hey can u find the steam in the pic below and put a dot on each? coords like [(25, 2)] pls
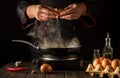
[(49, 33), (61, 44)]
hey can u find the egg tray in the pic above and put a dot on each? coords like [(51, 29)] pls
[(101, 73)]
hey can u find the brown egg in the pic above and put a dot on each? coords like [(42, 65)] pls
[(117, 70), (115, 63), (96, 62), (106, 62), (101, 59), (46, 68)]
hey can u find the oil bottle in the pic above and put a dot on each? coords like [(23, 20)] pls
[(108, 50)]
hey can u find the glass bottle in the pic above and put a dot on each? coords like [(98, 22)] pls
[(96, 54), (108, 50)]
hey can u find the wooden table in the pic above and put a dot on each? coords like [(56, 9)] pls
[(27, 73)]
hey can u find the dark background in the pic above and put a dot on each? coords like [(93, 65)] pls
[(106, 17)]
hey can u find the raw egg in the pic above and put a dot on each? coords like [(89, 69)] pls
[(115, 63), (96, 62), (46, 68), (106, 62), (101, 59)]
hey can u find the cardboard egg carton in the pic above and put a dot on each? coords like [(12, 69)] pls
[(100, 71)]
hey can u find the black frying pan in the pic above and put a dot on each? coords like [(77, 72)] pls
[(53, 51)]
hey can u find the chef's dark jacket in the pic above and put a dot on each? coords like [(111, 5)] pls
[(67, 26), (35, 28)]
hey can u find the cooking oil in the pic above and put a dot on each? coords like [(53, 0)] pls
[(108, 50)]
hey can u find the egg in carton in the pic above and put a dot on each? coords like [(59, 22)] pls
[(90, 69), (109, 71), (99, 70), (117, 71)]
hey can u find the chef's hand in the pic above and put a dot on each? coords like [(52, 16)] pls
[(40, 12), (73, 11)]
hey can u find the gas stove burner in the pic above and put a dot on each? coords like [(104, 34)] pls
[(69, 62), (48, 57)]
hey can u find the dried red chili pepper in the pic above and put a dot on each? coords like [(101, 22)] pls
[(16, 69)]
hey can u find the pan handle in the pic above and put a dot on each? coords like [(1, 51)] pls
[(26, 42)]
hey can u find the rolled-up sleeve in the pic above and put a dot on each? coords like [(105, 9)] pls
[(21, 12), (88, 20)]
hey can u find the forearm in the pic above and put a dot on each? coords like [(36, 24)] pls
[(83, 8), (26, 21), (21, 8), (88, 18)]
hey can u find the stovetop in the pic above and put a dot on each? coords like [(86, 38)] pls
[(69, 62), (48, 57)]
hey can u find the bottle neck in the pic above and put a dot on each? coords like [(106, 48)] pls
[(108, 42)]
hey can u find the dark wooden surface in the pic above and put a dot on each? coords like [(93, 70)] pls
[(27, 73)]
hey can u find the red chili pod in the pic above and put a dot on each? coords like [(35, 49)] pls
[(16, 69)]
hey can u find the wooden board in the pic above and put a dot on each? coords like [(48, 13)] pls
[(28, 73)]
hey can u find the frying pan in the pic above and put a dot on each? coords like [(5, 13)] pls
[(53, 51)]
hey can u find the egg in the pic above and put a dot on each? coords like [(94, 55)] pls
[(46, 68), (115, 63), (96, 62), (101, 59), (117, 70), (106, 62)]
